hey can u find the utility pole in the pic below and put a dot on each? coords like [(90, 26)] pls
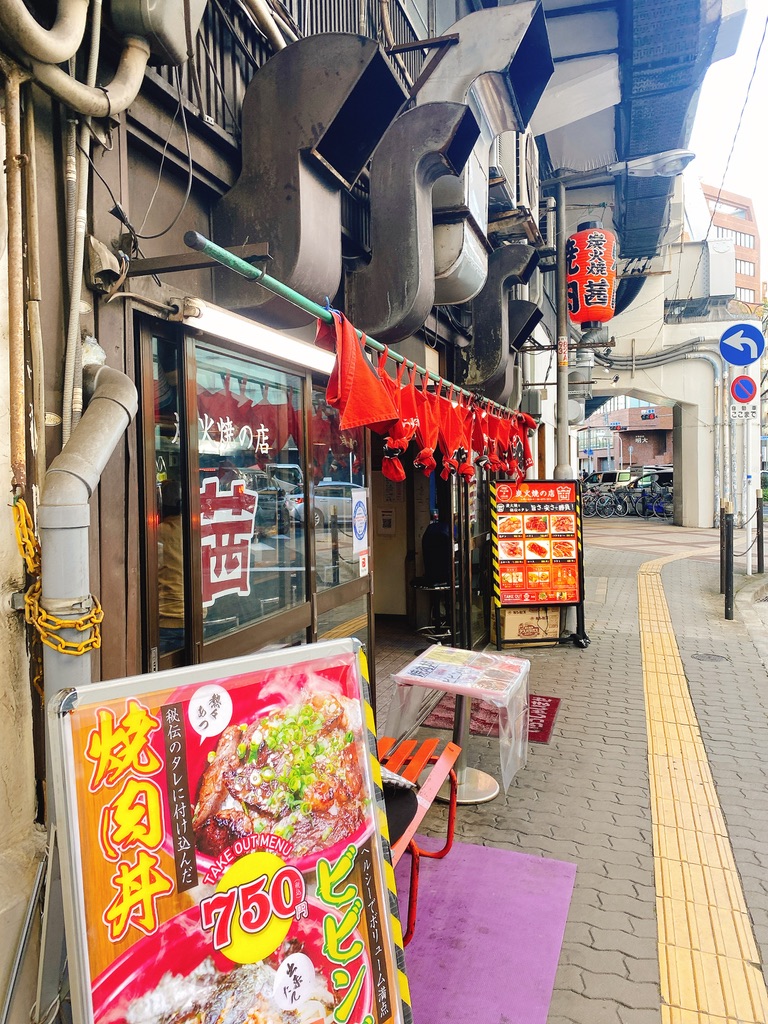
[(563, 469)]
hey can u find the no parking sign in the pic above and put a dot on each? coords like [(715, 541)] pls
[(743, 393)]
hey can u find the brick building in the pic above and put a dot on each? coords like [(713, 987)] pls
[(734, 218)]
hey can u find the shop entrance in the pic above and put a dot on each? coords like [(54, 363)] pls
[(431, 546)]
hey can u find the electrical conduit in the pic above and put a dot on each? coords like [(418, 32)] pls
[(72, 396)]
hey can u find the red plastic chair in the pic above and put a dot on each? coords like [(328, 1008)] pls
[(410, 758)]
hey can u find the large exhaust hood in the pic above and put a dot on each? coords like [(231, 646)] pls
[(312, 116), (390, 297)]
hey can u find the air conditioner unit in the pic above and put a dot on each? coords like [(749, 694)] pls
[(513, 194), (527, 169)]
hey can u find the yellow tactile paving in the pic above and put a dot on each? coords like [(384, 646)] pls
[(708, 958)]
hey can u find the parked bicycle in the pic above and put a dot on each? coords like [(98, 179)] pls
[(654, 502)]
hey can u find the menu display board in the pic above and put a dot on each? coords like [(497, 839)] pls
[(536, 537), (222, 845)]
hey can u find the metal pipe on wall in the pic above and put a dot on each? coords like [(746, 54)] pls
[(96, 101), (72, 394), (52, 45), (64, 517), (34, 296), (14, 76)]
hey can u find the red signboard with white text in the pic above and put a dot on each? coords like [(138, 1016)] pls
[(536, 542), (221, 837)]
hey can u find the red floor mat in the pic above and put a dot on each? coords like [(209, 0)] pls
[(485, 719)]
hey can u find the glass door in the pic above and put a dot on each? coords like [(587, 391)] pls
[(223, 546), (338, 515), (256, 506)]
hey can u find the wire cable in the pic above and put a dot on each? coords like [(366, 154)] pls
[(733, 146), (188, 192)]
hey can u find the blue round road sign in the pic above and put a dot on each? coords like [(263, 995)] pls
[(743, 389), (742, 344)]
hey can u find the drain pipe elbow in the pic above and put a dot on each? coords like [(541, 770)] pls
[(52, 46), (113, 404), (98, 101)]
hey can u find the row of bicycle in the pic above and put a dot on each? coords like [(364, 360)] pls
[(653, 502)]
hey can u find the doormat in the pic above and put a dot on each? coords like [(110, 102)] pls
[(484, 720), (488, 934)]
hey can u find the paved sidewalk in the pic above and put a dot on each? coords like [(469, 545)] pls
[(585, 797)]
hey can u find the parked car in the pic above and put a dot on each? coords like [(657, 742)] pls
[(654, 477), (329, 494), (612, 478)]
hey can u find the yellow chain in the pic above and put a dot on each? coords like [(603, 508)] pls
[(29, 549), (46, 624)]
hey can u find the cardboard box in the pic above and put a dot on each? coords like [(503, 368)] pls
[(532, 622)]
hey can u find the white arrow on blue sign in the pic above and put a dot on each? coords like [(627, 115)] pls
[(742, 344)]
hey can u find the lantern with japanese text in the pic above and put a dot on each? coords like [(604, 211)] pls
[(590, 258)]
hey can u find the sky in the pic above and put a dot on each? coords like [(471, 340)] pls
[(723, 94)]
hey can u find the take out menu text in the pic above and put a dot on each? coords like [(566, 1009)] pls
[(536, 536)]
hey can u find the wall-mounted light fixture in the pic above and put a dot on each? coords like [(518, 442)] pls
[(279, 345)]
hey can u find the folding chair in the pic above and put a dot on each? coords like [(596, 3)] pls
[(410, 758)]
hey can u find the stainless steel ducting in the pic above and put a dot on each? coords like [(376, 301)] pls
[(500, 67), (500, 324), (391, 297)]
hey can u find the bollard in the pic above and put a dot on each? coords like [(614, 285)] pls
[(760, 537), (728, 565), (722, 548)]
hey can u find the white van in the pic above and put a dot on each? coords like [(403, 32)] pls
[(610, 478)]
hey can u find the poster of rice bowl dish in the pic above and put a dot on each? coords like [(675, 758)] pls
[(222, 856)]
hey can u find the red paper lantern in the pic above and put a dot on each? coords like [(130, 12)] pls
[(590, 258)]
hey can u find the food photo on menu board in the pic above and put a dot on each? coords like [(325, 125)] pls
[(222, 833), (536, 538)]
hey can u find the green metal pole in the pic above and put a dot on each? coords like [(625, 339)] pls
[(194, 240)]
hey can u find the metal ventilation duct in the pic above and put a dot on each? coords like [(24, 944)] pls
[(161, 24), (391, 297), (499, 67), (501, 324), (312, 117)]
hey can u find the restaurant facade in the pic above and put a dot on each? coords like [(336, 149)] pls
[(173, 429)]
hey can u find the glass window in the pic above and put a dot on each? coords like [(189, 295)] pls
[(350, 619), (339, 486), (249, 462), (171, 504), (745, 294)]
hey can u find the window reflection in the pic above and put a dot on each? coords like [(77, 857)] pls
[(249, 445), (339, 485), (171, 561)]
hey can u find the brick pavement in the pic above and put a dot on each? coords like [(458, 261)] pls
[(584, 797)]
